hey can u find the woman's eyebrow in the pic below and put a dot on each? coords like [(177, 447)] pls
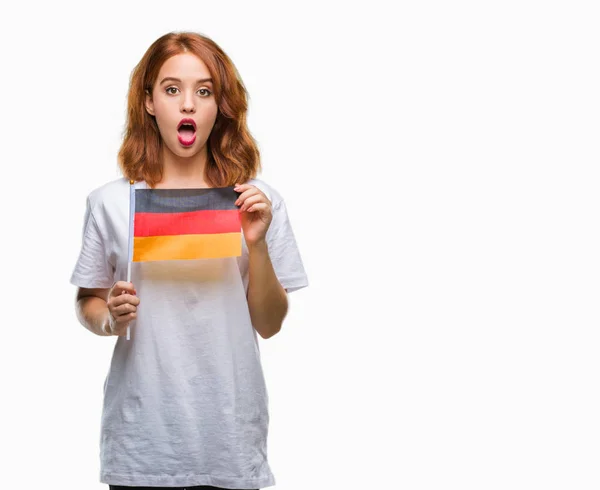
[(173, 79)]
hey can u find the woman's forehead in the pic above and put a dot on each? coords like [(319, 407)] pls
[(186, 67)]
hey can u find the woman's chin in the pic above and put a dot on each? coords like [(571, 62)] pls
[(184, 151)]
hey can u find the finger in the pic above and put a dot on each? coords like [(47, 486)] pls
[(120, 328), (121, 286), (123, 310), (240, 188), (125, 298), (251, 200), (124, 285), (246, 194), (261, 206), (124, 320)]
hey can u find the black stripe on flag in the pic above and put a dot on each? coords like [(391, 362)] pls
[(183, 200)]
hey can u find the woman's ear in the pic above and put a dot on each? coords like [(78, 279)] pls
[(149, 104)]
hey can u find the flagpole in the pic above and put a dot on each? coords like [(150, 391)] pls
[(130, 241)]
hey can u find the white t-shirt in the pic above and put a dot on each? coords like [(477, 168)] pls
[(185, 400)]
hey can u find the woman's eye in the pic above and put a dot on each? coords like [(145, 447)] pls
[(175, 88)]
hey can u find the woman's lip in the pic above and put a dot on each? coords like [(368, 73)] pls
[(186, 142), (187, 120)]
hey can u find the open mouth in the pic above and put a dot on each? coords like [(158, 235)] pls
[(186, 132)]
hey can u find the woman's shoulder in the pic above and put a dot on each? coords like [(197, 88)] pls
[(270, 191), (109, 192)]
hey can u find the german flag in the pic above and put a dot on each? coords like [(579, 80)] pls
[(178, 224)]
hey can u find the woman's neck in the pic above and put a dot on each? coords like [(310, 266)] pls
[(183, 172)]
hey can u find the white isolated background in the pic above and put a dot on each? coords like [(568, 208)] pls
[(439, 161)]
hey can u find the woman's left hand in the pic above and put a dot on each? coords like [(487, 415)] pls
[(255, 213)]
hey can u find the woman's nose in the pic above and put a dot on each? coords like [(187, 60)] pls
[(188, 103)]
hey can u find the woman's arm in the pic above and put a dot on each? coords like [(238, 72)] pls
[(267, 300), (92, 310)]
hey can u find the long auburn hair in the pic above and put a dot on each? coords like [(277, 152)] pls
[(232, 152)]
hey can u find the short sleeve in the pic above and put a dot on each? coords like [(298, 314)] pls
[(92, 269), (283, 250)]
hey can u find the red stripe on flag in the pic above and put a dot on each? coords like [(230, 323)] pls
[(187, 223)]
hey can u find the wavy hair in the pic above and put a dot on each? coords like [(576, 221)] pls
[(232, 152)]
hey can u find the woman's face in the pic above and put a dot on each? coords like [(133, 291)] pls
[(182, 92)]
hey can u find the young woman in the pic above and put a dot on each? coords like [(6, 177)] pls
[(185, 401)]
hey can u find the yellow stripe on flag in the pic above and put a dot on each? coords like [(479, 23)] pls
[(181, 247)]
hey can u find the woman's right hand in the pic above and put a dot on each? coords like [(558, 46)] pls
[(122, 307)]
